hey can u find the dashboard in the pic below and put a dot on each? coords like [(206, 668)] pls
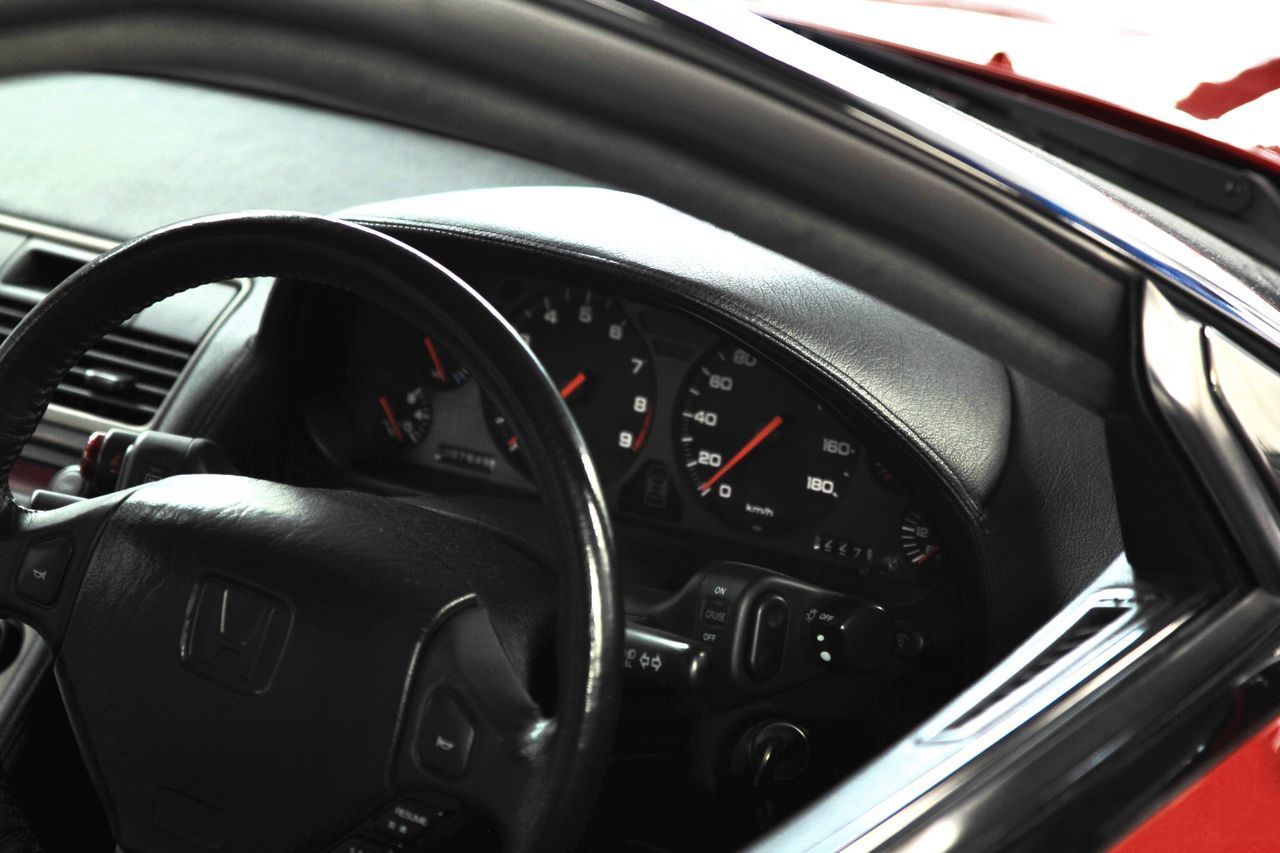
[(734, 472), (693, 433), (759, 430)]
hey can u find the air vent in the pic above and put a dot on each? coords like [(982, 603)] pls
[(125, 377), (42, 266), (1088, 626)]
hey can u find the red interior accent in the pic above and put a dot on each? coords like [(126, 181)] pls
[(89, 457), (27, 476), (1232, 807)]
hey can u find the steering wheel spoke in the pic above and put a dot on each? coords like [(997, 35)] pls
[(43, 556), (472, 731)]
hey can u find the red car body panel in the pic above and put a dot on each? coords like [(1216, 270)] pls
[(1232, 807), (1000, 72)]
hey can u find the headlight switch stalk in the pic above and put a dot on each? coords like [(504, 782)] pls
[(121, 458)]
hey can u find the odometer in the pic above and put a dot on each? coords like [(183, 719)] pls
[(758, 450)]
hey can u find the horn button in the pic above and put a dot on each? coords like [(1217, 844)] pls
[(234, 635)]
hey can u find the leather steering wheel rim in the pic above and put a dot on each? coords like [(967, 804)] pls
[(406, 282)]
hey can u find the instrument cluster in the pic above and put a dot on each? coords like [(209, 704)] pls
[(692, 432)]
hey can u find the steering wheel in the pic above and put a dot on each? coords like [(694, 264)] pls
[(249, 665)]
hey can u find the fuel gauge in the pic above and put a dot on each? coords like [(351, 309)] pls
[(392, 383), (405, 416)]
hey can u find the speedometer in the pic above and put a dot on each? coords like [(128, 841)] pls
[(757, 449)]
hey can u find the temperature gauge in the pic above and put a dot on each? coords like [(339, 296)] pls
[(918, 540), (446, 372)]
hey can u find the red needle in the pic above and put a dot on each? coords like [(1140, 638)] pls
[(391, 417), (765, 432), (565, 392), (572, 385), (435, 360), (928, 555), (644, 432)]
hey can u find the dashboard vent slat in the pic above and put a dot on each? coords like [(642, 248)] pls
[(139, 369), (125, 377), (1091, 623)]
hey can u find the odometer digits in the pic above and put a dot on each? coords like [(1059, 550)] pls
[(758, 450)]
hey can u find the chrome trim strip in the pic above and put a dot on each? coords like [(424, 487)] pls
[(882, 831), (999, 161), (1103, 645), (1248, 390), (901, 786), (55, 233), (1175, 352), (1084, 686), (76, 426)]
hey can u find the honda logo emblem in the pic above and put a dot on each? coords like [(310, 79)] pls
[(234, 635)]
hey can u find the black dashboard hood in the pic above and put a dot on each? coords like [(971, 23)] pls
[(951, 405)]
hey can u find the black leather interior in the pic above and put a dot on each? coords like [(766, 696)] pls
[(549, 808), (634, 111), (943, 399), (316, 742), (15, 834)]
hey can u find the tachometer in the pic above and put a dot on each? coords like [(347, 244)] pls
[(602, 367), (759, 451)]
